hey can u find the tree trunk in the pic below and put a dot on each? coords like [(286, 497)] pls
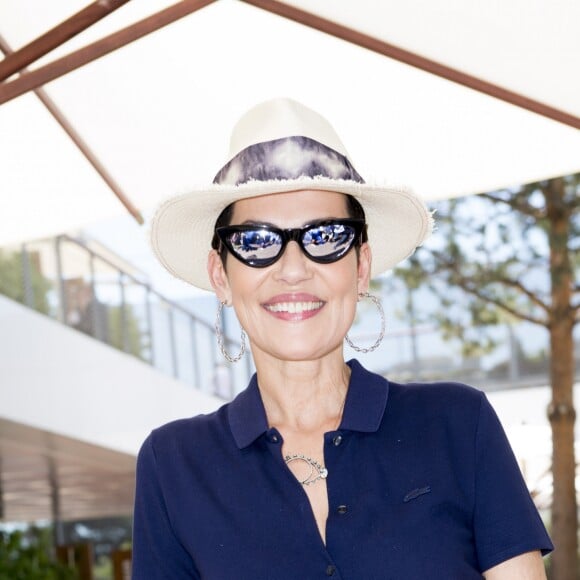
[(562, 417), (561, 410)]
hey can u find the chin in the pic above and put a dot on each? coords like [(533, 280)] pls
[(303, 353)]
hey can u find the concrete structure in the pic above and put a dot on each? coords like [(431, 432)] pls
[(73, 413)]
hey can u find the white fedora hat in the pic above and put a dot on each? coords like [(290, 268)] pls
[(281, 146)]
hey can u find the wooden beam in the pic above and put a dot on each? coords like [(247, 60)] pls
[(81, 144), (74, 60), (415, 60), (58, 35)]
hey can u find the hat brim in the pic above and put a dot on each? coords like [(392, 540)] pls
[(183, 226)]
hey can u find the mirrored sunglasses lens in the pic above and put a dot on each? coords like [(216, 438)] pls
[(257, 247), (329, 241)]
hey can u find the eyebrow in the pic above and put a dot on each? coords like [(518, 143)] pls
[(306, 223), (258, 223)]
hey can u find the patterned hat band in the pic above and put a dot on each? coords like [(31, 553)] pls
[(284, 159)]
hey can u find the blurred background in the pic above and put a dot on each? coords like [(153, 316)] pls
[(108, 108)]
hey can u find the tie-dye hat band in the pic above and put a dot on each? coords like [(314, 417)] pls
[(287, 158)]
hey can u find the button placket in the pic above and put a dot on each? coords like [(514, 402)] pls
[(339, 493)]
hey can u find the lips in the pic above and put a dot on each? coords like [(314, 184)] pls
[(294, 306)]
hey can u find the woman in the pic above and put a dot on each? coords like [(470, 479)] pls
[(319, 468)]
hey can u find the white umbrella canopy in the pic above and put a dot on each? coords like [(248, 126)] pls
[(157, 113)]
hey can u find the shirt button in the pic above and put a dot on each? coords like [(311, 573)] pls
[(342, 509), (330, 570), (337, 440), (274, 439)]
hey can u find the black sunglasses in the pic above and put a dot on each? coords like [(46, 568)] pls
[(324, 241)]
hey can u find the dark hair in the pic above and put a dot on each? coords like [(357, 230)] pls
[(353, 209)]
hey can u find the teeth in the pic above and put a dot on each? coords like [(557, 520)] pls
[(293, 307)]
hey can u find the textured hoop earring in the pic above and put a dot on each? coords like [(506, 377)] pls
[(379, 306), (220, 337)]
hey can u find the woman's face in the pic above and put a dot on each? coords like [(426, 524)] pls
[(295, 309)]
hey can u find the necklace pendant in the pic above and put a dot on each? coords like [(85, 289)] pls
[(317, 471)]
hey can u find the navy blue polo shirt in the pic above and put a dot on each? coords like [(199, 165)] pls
[(422, 483)]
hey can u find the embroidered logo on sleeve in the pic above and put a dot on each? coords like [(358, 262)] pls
[(415, 493)]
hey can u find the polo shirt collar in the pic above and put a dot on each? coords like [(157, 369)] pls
[(366, 400), (247, 415), (364, 407)]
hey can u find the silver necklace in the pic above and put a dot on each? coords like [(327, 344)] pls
[(317, 471)]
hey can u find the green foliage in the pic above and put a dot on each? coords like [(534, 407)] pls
[(28, 556), (12, 281), (103, 569), (489, 259), (124, 330)]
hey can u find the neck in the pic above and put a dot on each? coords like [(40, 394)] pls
[(304, 395)]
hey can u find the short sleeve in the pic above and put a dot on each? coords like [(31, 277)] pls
[(506, 521), (157, 552)]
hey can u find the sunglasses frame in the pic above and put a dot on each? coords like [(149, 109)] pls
[(291, 235)]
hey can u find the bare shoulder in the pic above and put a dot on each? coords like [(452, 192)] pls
[(528, 566)]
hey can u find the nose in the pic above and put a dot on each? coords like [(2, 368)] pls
[(293, 267)]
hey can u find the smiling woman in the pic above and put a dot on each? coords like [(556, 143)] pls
[(296, 287), (319, 468)]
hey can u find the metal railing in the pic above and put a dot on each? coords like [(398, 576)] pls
[(77, 284), (95, 293)]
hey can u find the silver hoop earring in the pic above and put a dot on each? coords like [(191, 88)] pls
[(379, 306), (220, 337)]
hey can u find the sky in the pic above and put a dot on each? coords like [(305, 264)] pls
[(130, 241)]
